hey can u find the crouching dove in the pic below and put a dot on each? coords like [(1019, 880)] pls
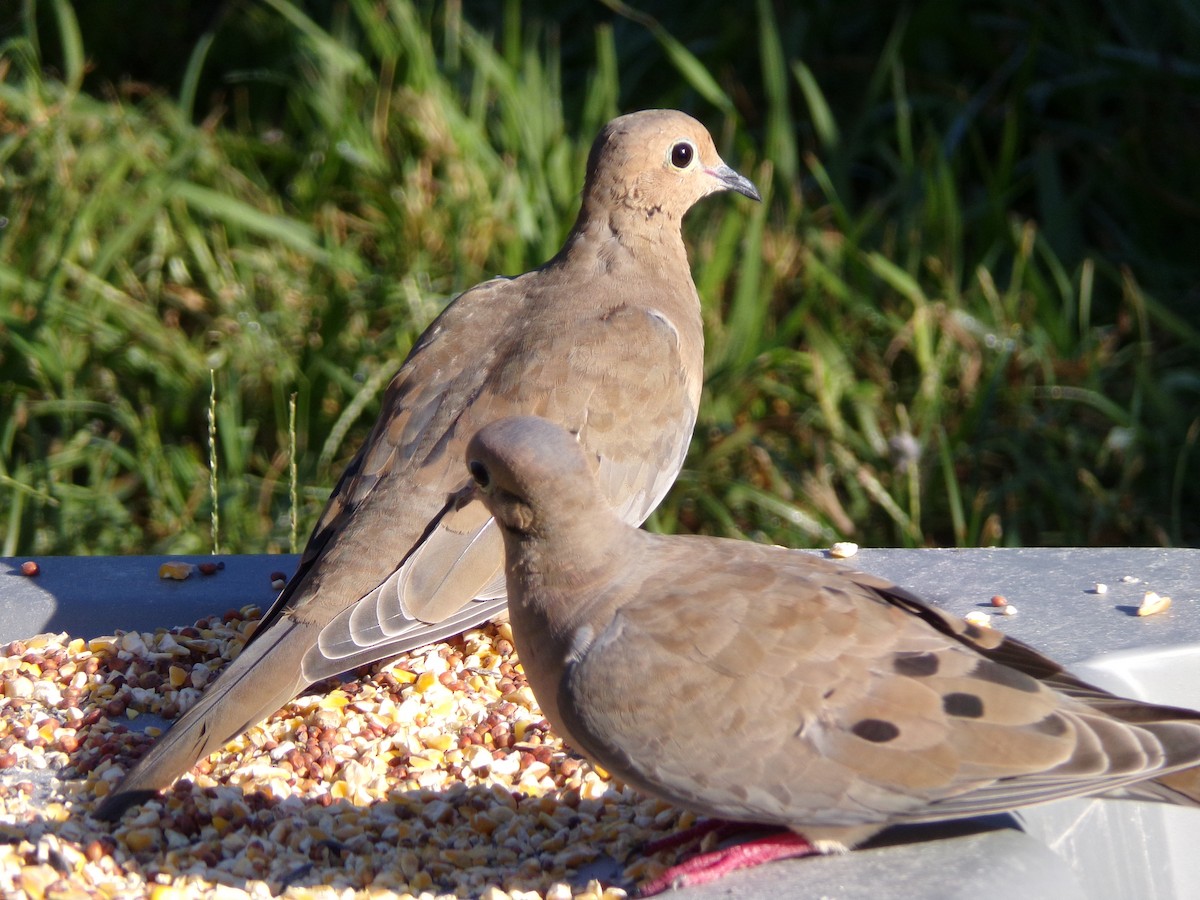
[(766, 685), (605, 338)]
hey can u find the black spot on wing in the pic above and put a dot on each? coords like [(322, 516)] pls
[(997, 673), (877, 731), (915, 665), (965, 706)]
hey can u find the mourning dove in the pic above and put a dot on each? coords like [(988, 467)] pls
[(605, 338), (766, 685)]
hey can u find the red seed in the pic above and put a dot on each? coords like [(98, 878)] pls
[(208, 568), (999, 600), (30, 568)]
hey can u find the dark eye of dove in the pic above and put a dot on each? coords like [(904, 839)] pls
[(480, 473), (682, 154)]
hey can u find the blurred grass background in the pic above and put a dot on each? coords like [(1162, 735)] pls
[(967, 313)]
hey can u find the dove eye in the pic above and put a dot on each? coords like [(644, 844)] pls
[(480, 473), (682, 155)]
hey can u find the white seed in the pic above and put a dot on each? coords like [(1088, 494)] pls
[(843, 549), (19, 688), (479, 758), (132, 643), (978, 618), (1100, 588), (506, 765)]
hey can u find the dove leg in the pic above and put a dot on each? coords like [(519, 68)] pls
[(715, 864), (699, 831)]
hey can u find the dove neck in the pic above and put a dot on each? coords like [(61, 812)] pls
[(625, 235), (555, 567)]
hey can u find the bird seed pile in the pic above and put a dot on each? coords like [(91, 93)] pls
[(433, 776)]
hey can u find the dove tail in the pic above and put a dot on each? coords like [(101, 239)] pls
[(1178, 735), (232, 704), (1182, 788)]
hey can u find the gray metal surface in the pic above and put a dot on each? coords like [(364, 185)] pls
[(90, 596)]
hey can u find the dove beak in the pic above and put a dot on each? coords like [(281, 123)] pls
[(732, 181), (463, 496)]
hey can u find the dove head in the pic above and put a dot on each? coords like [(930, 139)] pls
[(534, 477), (657, 163)]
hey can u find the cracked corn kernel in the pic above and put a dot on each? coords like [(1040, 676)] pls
[(424, 682), (176, 571), (1153, 603), (139, 839), (442, 742), (428, 759)]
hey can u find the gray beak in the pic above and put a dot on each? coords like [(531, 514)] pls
[(732, 181)]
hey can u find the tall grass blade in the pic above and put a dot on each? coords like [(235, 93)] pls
[(213, 491), (684, 61), (819, 113)]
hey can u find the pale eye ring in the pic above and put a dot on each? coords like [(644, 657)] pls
[(682, 154)]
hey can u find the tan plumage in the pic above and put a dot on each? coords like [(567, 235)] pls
[(767, 685), (605, 338)]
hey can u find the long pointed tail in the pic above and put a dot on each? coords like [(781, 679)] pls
[(261, 679), (1181, 787)]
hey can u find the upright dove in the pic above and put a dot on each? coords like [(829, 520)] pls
[(766, 685), (605, 338)]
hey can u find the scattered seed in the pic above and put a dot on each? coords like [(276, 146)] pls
[(278, 580), (1130, 579), (843, 549), (176, 571), (1100, 588), (1008, 610), (427, 773), (31, 568), (978, 618), (999, 600), (209, 568), (1153, 603)]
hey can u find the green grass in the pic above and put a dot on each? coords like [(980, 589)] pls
[(965, 313)]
